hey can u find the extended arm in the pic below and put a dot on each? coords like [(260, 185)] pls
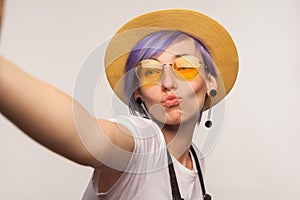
[(45, 114)]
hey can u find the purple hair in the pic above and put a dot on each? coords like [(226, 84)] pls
[(151, 46)]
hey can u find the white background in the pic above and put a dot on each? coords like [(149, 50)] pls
[(258, 154)]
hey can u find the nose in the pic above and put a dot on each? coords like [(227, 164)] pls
[(168, 79)]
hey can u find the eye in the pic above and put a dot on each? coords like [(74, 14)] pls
[(151, 72), (182, 68), (186, 71)]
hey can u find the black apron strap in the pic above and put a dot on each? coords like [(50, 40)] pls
[(205, 195), (173, 180)]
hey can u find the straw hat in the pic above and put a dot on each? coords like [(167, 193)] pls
[(213, 35)]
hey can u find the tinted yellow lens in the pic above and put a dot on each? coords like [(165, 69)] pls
[(149, 70), (186, 67), (149, 74)]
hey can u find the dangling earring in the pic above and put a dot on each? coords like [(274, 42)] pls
[(208, 123), (141, 103)]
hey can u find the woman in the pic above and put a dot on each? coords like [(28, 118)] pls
[(162, 64)]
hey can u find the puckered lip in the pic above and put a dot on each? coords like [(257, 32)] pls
[(170, 100)]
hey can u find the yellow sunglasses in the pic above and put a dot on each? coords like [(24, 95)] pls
[(185, 67)]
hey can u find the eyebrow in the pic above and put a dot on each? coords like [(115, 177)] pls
[(153, 58), (180, 55), (176, 56)]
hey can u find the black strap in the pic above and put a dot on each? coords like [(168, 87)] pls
[(173, 180), (205, 195)]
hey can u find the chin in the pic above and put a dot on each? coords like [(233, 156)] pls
[(172, 116), (184, 117), (168, 118), (173, 121), (177, 117)]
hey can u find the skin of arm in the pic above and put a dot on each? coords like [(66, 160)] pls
[(46, 115)]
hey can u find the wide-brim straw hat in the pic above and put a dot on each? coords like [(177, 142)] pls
[(213, 35)]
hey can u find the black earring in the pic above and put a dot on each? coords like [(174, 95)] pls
[(208, 123), (140, 102)]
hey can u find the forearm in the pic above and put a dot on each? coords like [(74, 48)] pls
[(41, 111)]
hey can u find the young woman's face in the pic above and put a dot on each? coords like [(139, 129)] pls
[(172, 100)]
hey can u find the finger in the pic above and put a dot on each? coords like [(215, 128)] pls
[(1, 12)]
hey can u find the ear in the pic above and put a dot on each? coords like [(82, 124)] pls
[(136, 94), (211, 84)]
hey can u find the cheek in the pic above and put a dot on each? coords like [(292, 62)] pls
[(199, 89), (151, 94)]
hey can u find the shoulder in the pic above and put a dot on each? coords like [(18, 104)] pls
[(138, 127), (149, 152)]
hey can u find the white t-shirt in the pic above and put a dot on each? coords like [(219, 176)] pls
[(147, 175)]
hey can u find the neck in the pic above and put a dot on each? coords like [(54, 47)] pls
[(179, 139)]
